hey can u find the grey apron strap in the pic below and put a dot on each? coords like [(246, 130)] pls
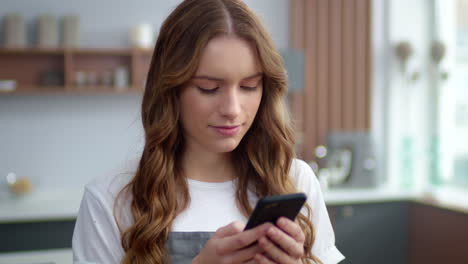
[(184, 246)]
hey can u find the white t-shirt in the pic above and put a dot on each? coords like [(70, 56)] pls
[(96, 238)]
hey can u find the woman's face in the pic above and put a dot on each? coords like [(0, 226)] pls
[(219, 103)]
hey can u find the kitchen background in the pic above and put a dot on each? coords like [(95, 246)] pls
[(63, 140), (378, 95)]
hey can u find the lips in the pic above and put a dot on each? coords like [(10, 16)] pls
[(227, 130)]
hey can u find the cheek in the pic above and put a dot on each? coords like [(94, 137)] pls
[(193, 109), (254, 104)]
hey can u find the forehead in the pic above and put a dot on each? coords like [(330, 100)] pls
[(229, 57)]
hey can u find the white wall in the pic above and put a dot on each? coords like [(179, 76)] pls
[(63, 141), (107, 22)]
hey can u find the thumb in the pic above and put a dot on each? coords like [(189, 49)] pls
[(230, 229)]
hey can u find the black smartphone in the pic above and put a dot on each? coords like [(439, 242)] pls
[(270, 208)]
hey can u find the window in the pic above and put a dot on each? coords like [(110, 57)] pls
[(452, 27)]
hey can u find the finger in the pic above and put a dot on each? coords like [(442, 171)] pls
[(229, 230), (252, 261), (242, 239), (262, 259), (291, 247), (245, 255), (292, 228), (274, 253)]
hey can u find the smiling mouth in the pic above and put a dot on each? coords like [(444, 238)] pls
[(227, 131), (226, 127)]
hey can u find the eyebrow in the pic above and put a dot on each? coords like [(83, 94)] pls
[(220, 80)]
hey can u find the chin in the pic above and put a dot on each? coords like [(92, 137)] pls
[(224, 147)]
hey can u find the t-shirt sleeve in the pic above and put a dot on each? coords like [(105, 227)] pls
[(96, 238), (324, 245)]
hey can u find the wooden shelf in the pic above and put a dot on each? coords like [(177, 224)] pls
[(31, 90), (32, 51), (103, 90), (62, 51), (113, 51), (32, 68)]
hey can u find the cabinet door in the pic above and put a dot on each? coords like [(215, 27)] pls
[(438, 235), (36, 235), (372, 233)]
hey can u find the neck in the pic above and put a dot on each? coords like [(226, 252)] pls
[(207, 166)]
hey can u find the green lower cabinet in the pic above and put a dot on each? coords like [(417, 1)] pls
[(36, 235), (368, 233), (372, 233)]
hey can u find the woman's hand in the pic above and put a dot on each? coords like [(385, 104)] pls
[(231, 245), (283, 243)]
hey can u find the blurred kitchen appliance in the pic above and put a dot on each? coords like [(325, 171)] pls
[(52, 78), (121, 78), (7, 85), (351, 160), (142, 36), (47, 33), (14, 31), (71, 31)]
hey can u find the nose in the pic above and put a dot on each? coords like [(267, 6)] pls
[(230, 104)]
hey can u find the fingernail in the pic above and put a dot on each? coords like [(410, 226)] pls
[(282, 221), (272, 231)]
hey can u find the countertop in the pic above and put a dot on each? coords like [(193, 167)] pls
[(450, 198), (64, 205), (56, 256)]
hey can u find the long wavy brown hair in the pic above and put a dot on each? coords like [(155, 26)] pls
[(263, 158)]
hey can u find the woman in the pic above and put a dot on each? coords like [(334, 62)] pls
[(216, 139)]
